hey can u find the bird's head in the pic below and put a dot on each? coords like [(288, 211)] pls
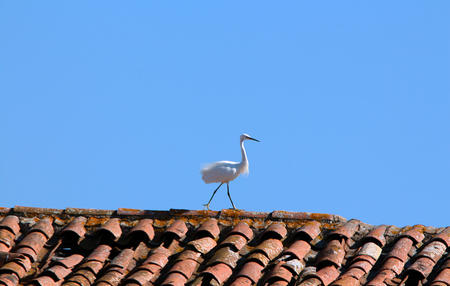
[(248, 137)]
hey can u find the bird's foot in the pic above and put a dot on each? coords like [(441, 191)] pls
[(206, 206)]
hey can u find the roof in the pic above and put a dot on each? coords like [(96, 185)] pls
[(82, 247)]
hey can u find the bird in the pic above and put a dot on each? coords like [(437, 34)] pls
[(226, 171)]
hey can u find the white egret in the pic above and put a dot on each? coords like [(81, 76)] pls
[(226, 171)]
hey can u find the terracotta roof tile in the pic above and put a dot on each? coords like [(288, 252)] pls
[(243, 229), (10, 223), (228, 247), (75, 227)]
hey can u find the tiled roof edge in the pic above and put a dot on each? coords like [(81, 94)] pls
[(225, 214)]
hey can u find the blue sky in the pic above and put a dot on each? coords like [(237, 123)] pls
[(112, 104)]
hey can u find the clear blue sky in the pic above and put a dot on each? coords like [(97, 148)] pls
[(113, 104)]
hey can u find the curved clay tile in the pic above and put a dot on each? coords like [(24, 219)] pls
[(294, 265), (327, 274), (370, 249), (275, 230), (189, 254), (298, 248), (259, 257), (123, 258), (226, 256), (243, 229), (174, 279), (401, 249), (279, 273), (332, 253), (70, 261), (270, 247), (443, 278), (44, 226), (6, 240), (220, 272), (242, 281), (9, 279), (347, 230), (203, 245), (32, 244), (311, 229), (144, 227), (158, 258), (251, 270), (76, 227), (443, 236), (236, 241), (178, 228), (376, 235), (209, 228), (112, 226), (58, 272), (10, 223), (185, 267), (415, 234), (100, 253)]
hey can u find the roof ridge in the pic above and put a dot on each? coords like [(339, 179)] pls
[(224, 214)]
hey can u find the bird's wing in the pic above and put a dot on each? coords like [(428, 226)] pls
[(219, 172)]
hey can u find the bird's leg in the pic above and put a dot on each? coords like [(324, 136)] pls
[(228, 192), (207, 205)]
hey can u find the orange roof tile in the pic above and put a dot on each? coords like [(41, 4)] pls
[(80, 247)]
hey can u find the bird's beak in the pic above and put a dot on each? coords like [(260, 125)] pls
[(250, 138)]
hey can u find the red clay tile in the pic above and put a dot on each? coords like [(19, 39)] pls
[(209, 228), (298, 248), (189, 254), (394, 264), (333, 252), (414, 234), (434, 250), (44, 281), (355, 272), (93, 265), (70, 261), (327, 274), (7, 238), (259, 257), (112, 226), (422, 265), (242, 229), (347, 230), (220, 271), (203, 245), (363, 265), (152, 268), (123, 259), (9, 279), (144, 227), (347, 281), (100, 253), (271, 247), (76, 227), (442, 277), (14, 267), (444, 236), (157, 258), (58, 271), (311, 281), (185, 267), (10, 223), (24, 262), (279, 283), (174, 279), (141, 277), (34, 240), (225, 255), (178, 228), (111, 277), (44, 226), (294, 265), (279, 273), (251, 270), (81, 280), (276, 230), (310, 229), (242, 281), (370, 249), (377, 234), (237, 241), (367, 258), (28, 252), (401, 249)]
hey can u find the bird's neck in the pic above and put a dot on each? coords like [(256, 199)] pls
[(244, 161)]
